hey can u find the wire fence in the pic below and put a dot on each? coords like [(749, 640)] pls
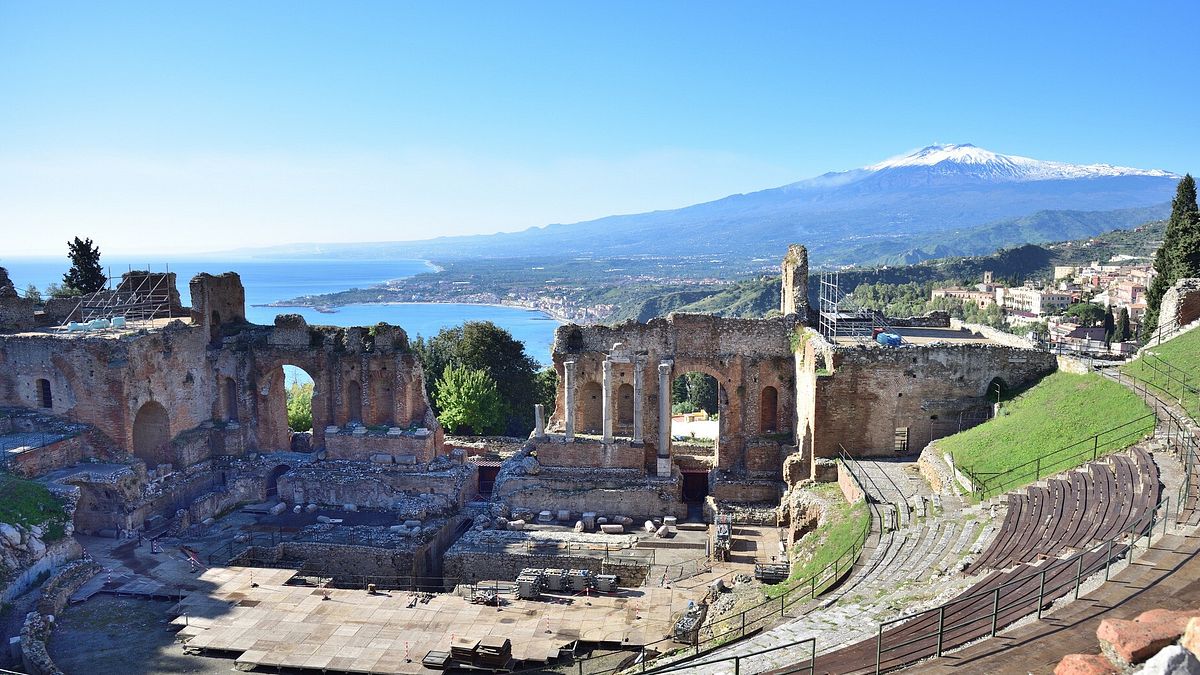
[(989, 484)]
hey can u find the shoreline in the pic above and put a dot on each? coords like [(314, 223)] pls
[(555, 316)]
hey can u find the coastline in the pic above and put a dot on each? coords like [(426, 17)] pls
[(330, 309)]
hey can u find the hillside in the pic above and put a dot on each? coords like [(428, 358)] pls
[(938, 201)]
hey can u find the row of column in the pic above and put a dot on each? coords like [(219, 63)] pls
[(664, 401)]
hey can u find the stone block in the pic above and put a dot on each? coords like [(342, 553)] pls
[(545, 517), (1191, 636), (349, 507), (1171, 660), (412, 523), (579, 526), (380, 458), (649, 526), (663, 532), (589, 520), (331, 429), (670, 521), (395, 431), (278, 508), (516, 525), (612, 528), (311, 508), (564, 516), (1130, 642), (1084, 664), (324, 519), (408, 460)]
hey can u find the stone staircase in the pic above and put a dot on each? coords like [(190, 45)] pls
[(914, 566)]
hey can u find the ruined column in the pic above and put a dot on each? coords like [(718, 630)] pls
[(606, 403), (664, 418), (539, 424), (569, 395), (638, 364)]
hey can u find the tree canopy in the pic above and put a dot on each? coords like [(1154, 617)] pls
[(694, 391), (482, 345), (85, 275), (1179, 256), (1086, 313), (299, 406), (468, 401)]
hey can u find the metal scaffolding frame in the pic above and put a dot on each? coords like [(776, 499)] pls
[(149, 299), (839, 315)]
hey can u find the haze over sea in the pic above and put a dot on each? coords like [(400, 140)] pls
[(272, 280)]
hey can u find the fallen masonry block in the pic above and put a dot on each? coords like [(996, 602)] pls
[(1130, 642), (612, 528), (278, 508), (516, 525), (545, 517), (1084, 664), (649, 526)]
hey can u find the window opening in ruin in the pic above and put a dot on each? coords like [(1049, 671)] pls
[(695, 486), (695, 408), (45, 397), (214, 326), (229, 396), (768, 410), (354, 401), (625, 409), (591, 408), (152, 434), (299, 390), (273, 480), (575, 340)]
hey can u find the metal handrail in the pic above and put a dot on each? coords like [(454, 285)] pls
[(845, 456)]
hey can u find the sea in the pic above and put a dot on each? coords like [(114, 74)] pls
[(273, 280)]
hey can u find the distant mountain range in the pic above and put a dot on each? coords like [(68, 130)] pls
[(938, 201)]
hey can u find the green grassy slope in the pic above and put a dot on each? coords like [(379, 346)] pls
[(1174, 369), (1056, 420), (26, 503)]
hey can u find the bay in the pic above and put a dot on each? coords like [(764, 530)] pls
[(269, 281)]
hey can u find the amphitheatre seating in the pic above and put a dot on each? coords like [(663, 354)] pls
[(1073, 511), (1093, 504)]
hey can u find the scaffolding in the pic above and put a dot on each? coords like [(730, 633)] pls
[(140, 297), (839, 315)]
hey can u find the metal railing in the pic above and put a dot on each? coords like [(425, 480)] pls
[(847, 460), (1157, 372), (959, 621), (988, 484)]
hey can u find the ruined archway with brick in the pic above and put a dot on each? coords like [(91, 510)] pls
[(152, 434)]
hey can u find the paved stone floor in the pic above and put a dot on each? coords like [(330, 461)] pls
[(272, 624)]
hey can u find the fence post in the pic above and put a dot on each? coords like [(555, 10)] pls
[(743, 624), (878, 648), (1095, 446), (1107, 559), (995, 610), (1078, 573), (941, 628), (737, 665), (812, 657), (1041, 593)]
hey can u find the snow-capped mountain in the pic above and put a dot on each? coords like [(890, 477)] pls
[(955, 199), (965, 158)]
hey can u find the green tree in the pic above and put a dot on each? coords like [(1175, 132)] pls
[(85, 275), (1179, 255), (482, 345), (546, 389), (54, 290), (1110, 326), (1123, 332), (299, 406), (32, 293), (469, 401), (1085, 313), (694, 391)]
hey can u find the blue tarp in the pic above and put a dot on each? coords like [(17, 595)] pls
[(888, 339)]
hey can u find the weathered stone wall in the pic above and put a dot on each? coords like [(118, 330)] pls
[(380, 446), (618, 455), (476, 566), (794, 298), (625, 492), (874, 391), (16, 313), (746, 356), (1180, 305), (36, 629), (377, 486)]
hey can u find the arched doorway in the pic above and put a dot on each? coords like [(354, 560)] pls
[(625, 408), (273, 480), (229, 399), (152, 434), (591, 408), (45, 396), (354, 401), (768, 410), (695, 407)]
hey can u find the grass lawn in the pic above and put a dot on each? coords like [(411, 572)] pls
[(1054, 420), (1174, 369), (841, 529), (26, 503)]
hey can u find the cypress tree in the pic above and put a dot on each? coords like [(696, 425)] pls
[(85, 275), (1179, 255), (1123, 325)]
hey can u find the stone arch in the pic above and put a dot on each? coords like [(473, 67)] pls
[(354, 401), (44, 393), (625, 405), (152, 434), (273, 480), (591, 411), (768, 410), (995, 387), (270, 402)]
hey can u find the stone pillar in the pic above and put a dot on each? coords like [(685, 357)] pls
[(539, 424), (638, 365), (606, 403), (664, 418), (569, 391)]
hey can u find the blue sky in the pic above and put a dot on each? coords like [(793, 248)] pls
[(169, 127)]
